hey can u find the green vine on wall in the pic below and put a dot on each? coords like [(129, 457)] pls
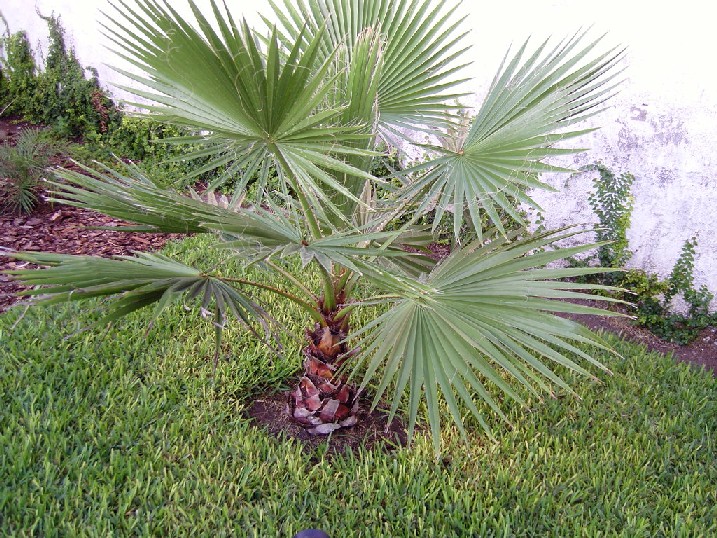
[(654, 298), (612, 202)]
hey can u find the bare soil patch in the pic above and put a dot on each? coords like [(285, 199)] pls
[(270, 412), (702, 352)]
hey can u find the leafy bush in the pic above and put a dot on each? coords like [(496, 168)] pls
[(19, 74), (656, 313), (152, 146), (136, 139), (58, 93), (612, 202)]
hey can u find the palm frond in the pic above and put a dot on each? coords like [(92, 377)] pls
[(421, 50), (253, 232), (126, 193), (530, 107), (133, 197), (253, 104), (483, 319), (352, 249), (135, 282)]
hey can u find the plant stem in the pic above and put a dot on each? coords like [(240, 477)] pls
[(353, 279), (304, 305), (329, 294), (345, 311), (341, 284), (217, 339), (286, 274)]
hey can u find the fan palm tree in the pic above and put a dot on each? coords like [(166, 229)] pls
[(298, 109)]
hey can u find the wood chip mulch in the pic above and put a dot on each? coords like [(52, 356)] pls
[(65, 230)]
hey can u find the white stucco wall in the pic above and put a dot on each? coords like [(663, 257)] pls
[(661, 127)]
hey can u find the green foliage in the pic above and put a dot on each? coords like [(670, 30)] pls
[(152, 146), (657, 315), (290, 120), (612, 202), (386, 165), (18, 73), (58, 93), (681, 279), (21, 168), (136, 139), (142, 141), (505, 150)]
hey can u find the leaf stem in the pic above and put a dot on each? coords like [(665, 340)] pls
[(286, 274), (341, 284), (304, 305), (345, 311), (217, 338), (329, 294)]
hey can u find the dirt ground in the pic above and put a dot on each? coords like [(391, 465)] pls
[(702, 352)]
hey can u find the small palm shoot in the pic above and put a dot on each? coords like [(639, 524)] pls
[(22, 167)]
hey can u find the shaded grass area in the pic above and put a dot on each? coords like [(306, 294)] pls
[(116, 433)]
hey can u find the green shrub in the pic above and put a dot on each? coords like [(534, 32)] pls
[(18, 73), (58, 93), (148, 144), (655, 313), (612, 202), (136, 139)]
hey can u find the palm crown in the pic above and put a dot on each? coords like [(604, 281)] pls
[(298, 111)]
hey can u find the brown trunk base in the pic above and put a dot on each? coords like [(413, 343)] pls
[(323, 402)]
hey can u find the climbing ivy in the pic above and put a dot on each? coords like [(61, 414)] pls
[(654, 298), (612, 202)]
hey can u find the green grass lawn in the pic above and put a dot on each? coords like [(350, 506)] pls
[(117, 433)]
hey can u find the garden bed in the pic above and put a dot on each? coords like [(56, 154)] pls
[(66, 230)]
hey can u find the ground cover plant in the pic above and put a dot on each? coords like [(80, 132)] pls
[(306, 103), (115, 434)]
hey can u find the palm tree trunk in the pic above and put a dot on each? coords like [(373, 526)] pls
[(323, 401)]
